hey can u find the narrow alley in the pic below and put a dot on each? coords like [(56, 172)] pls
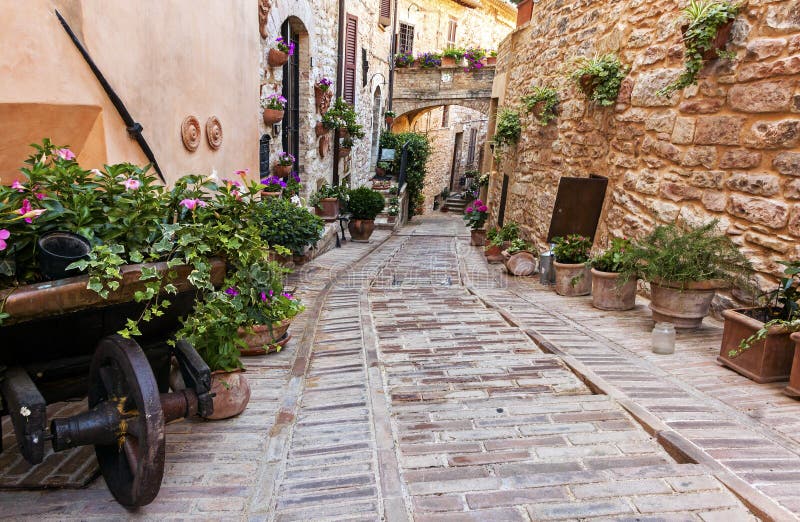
[(416, 387)]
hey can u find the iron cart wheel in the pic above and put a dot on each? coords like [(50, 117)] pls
[(133, 466)]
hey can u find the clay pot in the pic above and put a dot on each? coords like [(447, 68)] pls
[(276, 58), (521, 264), (448, 61), (793, 390), (768, 360), (683, 307), (262, 341), (720, 40), (491, 60), (320, 130), (322, 99), (477, 237), (391, 219), (329, 210), (493, 253), (272, 116), (573, 279), (230, 392), (282, 171), (606, 295), (361, 229), (524, 12), (389, 120), (344, 152), (265, 194)]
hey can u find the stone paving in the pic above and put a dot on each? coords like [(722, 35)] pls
[(421, 384)]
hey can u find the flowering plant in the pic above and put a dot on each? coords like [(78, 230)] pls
[(403, 59), (285, 159), (326, 191), (293, 185), (429, 60), (324, 84), (615, 258), (572, 249), (476, 215), (283, 46), (275, 102), (474, 57), (273, 184), (483, 180)]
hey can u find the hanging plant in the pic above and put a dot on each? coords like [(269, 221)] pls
[(599, 78), (508, 130), (704, 36), (542, 103)]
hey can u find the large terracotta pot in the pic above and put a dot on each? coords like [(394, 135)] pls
[(477, 237), (522, 264), (573, 279), (361, 229), (262, 340), (230, 392), (683, 307), (276, 58), (769, 360), (493, 253), (607, 295), (329, 210), (793, 390), (524, 12), (282, 171), (272, 116)]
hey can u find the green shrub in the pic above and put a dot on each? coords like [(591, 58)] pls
[(419, 150), (365, 203), (284, 223)]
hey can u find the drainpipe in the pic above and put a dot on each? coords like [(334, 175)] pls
[(339, 86), (391, 56)]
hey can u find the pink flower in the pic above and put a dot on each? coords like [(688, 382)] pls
[(28, 213), (191, 204), (26, 207), (478, 202), (287, 296), (263, 297), (65, 154), (18, 186), (483, 208), (242, 173), (4, 234), (469, 209), (131, 184), (232, 291), (40, 196)]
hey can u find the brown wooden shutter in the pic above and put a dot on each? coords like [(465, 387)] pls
[(350, 47), (385, 17)]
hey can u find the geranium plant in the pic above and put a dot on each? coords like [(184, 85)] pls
[(476, 215), (572, 249), (599, 78), (615, 258)]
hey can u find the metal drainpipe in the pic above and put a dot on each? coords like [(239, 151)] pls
[(391, 56), (339, 86)]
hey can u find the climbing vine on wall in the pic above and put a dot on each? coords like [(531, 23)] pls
[(419, 150)]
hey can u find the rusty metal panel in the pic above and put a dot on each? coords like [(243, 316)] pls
[(579, 203)]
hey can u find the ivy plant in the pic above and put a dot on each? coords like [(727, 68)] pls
[(542, 102), (704, 18), (418, 149), (599, 78), (508, 129)]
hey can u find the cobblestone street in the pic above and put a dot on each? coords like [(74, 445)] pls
[(423, 384)]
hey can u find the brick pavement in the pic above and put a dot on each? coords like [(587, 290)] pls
[(403, 396)]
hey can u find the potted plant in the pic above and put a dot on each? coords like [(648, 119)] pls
[(403, 59), (756, 341), (609, 290), (475, 217), (685, 267), (323, 95), (474, 58), (520, 257), (429, 60), (394, 209), (508, 131), (279, 55), (599, 78), (273, 106), (494, 248), (452, 57), (491, 58), (383, 167), (542, 103), (573, 276), (345, 146), (281, 222), (272, 186), (284, 164), (705, 34), (327, 201), (364, 204), (389, 117)]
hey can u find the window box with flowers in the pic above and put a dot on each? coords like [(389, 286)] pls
[(491, 58), (284, 165), (452, 57), (429, 60), (403, 59), (474, 59), (475, 216), (274, 106), (279, 55)]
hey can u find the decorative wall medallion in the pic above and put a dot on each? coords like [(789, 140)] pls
[(214, 132), (190, 133), (263, 12)]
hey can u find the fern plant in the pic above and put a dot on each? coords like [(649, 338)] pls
[(542, 102), (599, 78)]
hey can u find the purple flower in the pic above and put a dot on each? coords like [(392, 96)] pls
[(287, 295), (296, 176), (273, 182), (19, 187), (232, 291), (65, 154), (263, 297), (131, 184), (4, 234), (191, 204)]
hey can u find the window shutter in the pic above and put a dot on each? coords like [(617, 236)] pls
[(385, 17), (350, 53)]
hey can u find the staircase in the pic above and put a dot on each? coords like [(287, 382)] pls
[(456, 203)]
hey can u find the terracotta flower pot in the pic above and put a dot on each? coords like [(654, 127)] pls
[(344, 152), (342, 132), (493, 253), (683, 307), (272, 116), (521, 264), (262, 341), (361, 229), (320, 130), (606, 295), (477, 237), (265, 194), (322, 99), (391, 219), (524, 12), (231, 393), (768, 360), (448, 61), (329, 210), (719, 42), (491, 60), (276, 58), (793, 390), (282, 171), (389, 120), (573, 279)]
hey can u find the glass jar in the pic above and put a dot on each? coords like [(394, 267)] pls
[(663, 338)]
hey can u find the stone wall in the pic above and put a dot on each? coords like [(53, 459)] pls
[(725, 149)]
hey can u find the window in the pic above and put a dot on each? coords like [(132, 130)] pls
[(445, 116), (291, 91), (350, 54), (385, 13), (451, 33), (473, 141), (406, 39)]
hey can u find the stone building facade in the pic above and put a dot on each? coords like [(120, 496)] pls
[(727, 148)]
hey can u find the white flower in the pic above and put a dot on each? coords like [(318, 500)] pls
[(297, 201), (24, 411)]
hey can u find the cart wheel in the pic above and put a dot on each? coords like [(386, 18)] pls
[(134, 466)]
